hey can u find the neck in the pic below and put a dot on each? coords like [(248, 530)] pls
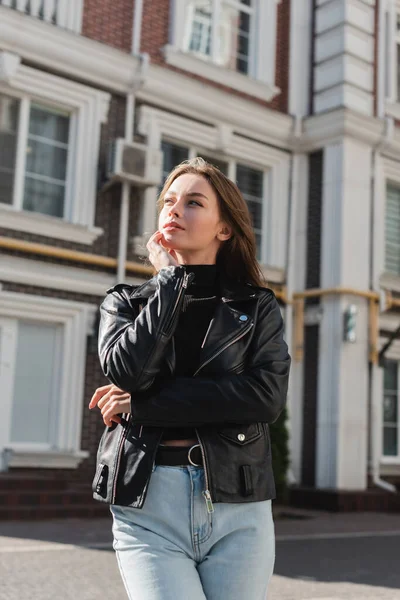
[(196, 258)]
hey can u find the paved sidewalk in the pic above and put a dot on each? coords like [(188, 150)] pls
[(289, 523), (320, 556)]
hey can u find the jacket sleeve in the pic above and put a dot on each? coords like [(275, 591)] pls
[(131, 343), (256, 395)]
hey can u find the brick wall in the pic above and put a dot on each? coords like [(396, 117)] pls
[(109, 22), (155, 36)]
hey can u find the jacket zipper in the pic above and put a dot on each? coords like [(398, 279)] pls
[(185, 282), (235, 339), (207, 494), (119, 453)]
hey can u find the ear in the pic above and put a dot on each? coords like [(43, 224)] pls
[(225, 233)]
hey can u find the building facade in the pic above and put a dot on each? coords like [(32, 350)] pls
[(298, 102)]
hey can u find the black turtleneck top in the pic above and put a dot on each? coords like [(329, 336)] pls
[(193, 323)]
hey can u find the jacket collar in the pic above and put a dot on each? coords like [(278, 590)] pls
[(231, 291)]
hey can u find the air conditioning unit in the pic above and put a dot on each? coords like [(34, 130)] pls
[(136, 163)]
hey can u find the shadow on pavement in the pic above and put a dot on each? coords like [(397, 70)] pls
[(82, 532), (365, 560)]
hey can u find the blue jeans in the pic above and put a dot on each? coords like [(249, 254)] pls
[(175, 549)]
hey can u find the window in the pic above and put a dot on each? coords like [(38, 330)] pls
[(231, 42), (49, 146), (391, 409), (392, 234), (42, 368), (248, 179), (173, 155), (63, 14), (34, 410), (41, 148), (250, 182), (220, 30)]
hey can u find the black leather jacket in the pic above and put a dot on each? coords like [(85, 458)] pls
[(239, 387)]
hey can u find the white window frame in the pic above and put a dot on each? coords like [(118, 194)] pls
[(387, 171), (388, 102), (260, 82), (77, 320), (224, 144), (88, 109), (386, 458), (389, 464)]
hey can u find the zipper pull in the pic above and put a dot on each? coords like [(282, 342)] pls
[(209, 504), (187, 279)]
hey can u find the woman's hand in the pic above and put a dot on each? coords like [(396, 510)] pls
[(112, 401), (159, 256)]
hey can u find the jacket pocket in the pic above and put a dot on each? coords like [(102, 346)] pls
[(241, 434), (100, 480)]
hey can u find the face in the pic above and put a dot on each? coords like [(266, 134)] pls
[(190, 220)]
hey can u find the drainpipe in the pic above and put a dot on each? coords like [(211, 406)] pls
[(129, 124), (375, 393)]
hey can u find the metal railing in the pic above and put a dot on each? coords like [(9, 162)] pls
[(62, 13)]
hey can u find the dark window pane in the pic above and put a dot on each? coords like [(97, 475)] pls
[(49, 125), (398, 70), (173, 156), (9, 114), (244, 22), (44, 197), (242, 66), (250, 183), (244, 46), (6, 187), (390, 408), (390, 441), (390, 376), (45, 159), (255, 209)]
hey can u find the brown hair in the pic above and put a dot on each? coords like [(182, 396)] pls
[(237, 256)]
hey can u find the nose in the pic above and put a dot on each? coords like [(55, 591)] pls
[(176, 209)]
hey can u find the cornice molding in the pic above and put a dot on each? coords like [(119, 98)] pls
[(171, 91), (326, 128), (66, 53), (27, 271), (48, 226)]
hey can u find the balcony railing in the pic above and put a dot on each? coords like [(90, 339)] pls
[(63, 13)]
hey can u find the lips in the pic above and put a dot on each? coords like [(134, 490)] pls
[(172, 225)]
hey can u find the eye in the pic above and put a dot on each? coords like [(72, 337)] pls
[(168, 200), (194, 202)]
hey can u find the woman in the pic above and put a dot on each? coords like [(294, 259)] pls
[(199, 368)]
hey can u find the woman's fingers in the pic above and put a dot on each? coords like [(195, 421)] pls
[(113, 408), (102, 395), (98, 394), (113, 396)]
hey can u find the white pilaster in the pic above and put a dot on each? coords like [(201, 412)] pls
[(343, 367), (344, 55), (296, 280)]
